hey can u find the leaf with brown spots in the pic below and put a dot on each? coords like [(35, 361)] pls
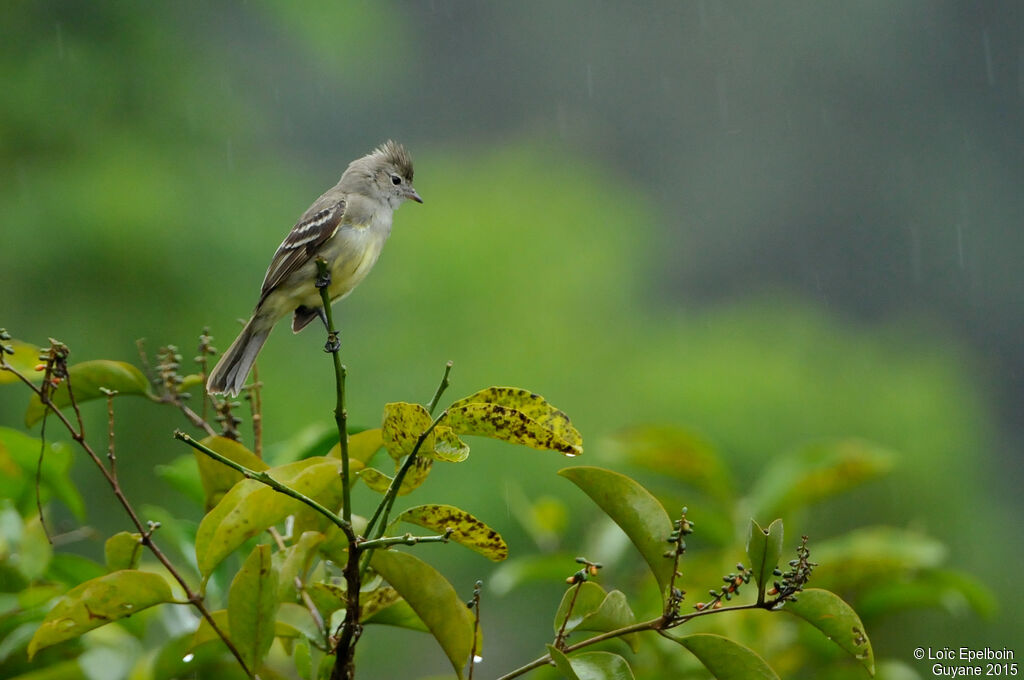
[(466, 529), (403, 426), (516, 416), (417, 474)]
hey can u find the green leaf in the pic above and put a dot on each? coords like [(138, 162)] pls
[(55, 473), (467, 530), (251, 507), (434, 601), (98, 602), (218, 478), (816, 472), (328, 597), (595, 610), (562, 663), (399, 615), (24, 360), (600, 666), (634, 509), (516, 416), (35, 551), (252, 606), (614, 613), (299, 620), (205, 633), (123, 551), (296, 563), (764, 547), (377, 600), (827, 612), (725, 659), (361, 445), (584, 598), (88, 379), (678, 453)]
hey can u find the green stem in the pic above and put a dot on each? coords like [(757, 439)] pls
[(440, 388), (340, 413), (658, 625), (264, 478), (407, 539)]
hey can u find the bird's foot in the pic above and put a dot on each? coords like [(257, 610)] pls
[(323, 280), (333, 343)]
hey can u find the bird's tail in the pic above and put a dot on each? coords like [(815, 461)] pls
[(228, 376)]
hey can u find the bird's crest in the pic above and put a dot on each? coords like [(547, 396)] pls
[(395, 154)]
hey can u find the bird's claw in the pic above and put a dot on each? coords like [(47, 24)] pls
[(333, 343), (323, 280)]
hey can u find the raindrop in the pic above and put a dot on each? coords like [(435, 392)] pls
[(127, 606), (188, 658), (477, 658), (67, 624)]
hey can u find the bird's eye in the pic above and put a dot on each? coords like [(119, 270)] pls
[(396, 180)]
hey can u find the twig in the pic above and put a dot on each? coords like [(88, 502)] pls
[(256, 405), (340, 414), (192, 596), (407, 539), (579, 580), (440, 388), (110, 429), (264, 478), (384, 507), (39, 478), (475, 606)]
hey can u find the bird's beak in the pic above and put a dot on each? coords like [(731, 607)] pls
[(415, 196)]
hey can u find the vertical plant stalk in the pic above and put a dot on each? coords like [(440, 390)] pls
[(475, 602), (193, 597), (333, 347), (344, 661), (256, 405)]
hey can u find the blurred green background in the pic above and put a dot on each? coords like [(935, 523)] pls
[(768, 222)]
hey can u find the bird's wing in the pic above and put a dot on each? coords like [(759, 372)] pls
[(302, 242)]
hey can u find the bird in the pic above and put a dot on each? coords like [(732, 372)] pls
[(347, 226)]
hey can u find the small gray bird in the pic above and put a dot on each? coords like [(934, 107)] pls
[(347, 226)]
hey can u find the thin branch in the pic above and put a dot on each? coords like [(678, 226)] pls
[(264, 478), (340, 414), (193, 597), (407, 539), (110, 430), (256, 405), (440, 388), (384, 508), (476, 622), (560, 637)]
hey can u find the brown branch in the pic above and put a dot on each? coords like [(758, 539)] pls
[(147, 539)]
